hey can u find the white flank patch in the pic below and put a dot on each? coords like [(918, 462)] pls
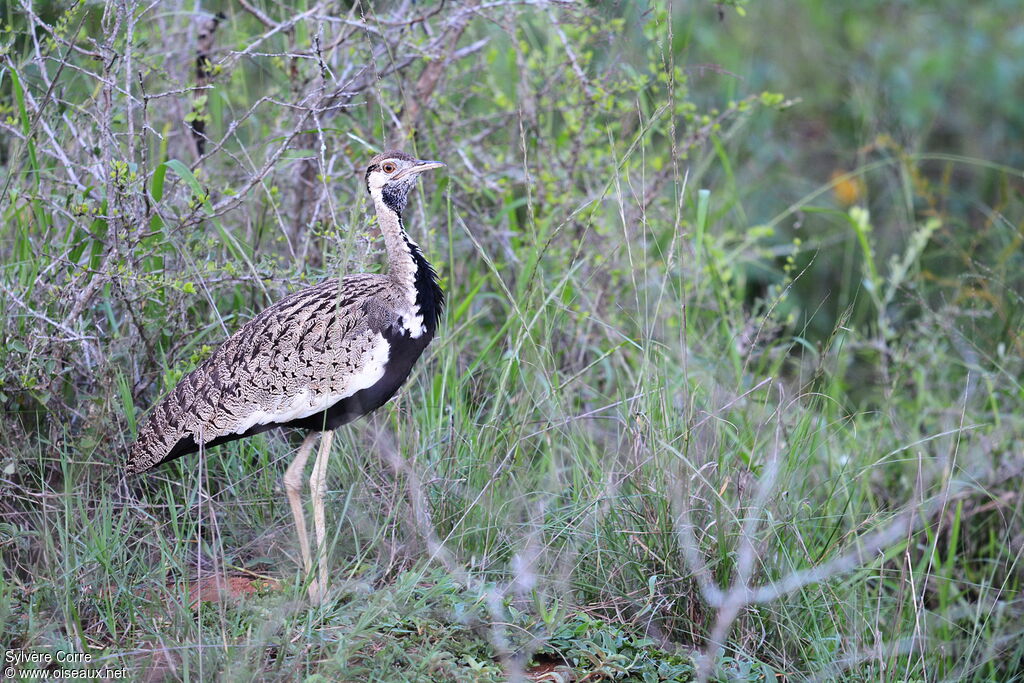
[(414, 322), (305, 403), (371, 373)]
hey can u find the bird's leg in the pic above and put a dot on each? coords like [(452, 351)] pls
[(293, 487), (318, 487)]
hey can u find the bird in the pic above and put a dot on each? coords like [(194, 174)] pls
[(316, 359)]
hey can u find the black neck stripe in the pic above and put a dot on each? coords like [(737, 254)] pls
[(429, 295), (394, 198)]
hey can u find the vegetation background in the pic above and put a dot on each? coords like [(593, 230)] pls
[(728, 386)]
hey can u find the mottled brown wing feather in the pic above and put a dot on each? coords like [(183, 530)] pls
[(310, 343)]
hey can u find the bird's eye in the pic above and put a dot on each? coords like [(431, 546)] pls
[(388, 167)]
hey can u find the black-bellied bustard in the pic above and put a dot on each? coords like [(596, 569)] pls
[(316, 359)]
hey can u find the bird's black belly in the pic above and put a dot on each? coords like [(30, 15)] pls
[(402, 355)]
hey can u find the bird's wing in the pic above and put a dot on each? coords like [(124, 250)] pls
[(295, 359)]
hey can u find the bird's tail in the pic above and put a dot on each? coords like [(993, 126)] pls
[(168, 433)]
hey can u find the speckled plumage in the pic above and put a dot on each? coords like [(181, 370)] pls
[(316, 359)]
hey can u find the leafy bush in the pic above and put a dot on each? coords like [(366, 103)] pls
[(728, 385)]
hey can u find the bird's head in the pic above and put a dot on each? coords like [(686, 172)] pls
[(391, 175)]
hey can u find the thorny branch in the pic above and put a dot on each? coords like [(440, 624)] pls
[(730, 602)]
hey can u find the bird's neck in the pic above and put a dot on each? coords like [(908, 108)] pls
[(407, 267), (402, 264)]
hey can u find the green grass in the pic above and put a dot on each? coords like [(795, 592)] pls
[(701, 405)]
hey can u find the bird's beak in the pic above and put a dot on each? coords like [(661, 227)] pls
[(420, 166)]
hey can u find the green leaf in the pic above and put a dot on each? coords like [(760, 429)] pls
[(185, 173), (156, 185)]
